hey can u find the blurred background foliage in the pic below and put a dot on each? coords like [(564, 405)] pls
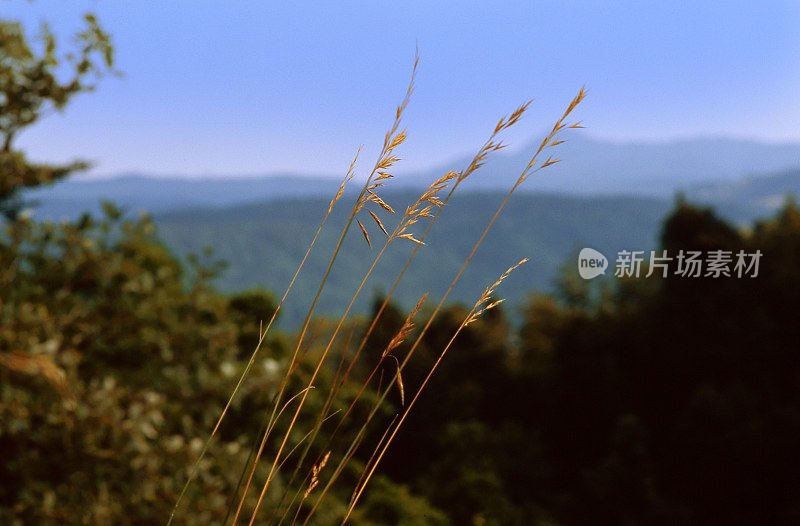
[(654, 401)]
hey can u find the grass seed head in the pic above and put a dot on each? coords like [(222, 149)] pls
[(485, 302), (378, 221), (406, 328), (364, 231)]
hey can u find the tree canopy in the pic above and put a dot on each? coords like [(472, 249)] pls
[(35, 80)]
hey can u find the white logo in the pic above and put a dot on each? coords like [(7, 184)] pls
[(591, 263)]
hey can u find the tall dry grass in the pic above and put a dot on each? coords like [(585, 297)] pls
[(307, 481)]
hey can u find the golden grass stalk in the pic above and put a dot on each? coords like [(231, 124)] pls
[(360, 483), (404, 331), (418, 210), (411, 216), (431, 198), (549, 141), (262, 336), (299, 443), (482, 305), (491, 145), (315, 472), (385, 160), (364, 231), (422, 208)]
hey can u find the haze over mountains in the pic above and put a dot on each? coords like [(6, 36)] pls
[(606, 196), (590, 167), (597, 167)]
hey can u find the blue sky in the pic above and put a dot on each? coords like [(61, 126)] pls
[(252, 87)]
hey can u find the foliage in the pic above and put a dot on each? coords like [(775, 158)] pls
[(658, 401), (31, 84), (109, 362), (114, 358)]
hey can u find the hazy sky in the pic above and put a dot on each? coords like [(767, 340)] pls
[(250, 87)]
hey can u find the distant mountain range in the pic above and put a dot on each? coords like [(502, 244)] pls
[(136, 193), (605, 196), (590, 167), (596, 167), (747, 198), (263, 242)]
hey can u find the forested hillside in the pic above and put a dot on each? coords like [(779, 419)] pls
[(263, 244)]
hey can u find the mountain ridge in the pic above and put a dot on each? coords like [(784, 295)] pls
[(590, 167)]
